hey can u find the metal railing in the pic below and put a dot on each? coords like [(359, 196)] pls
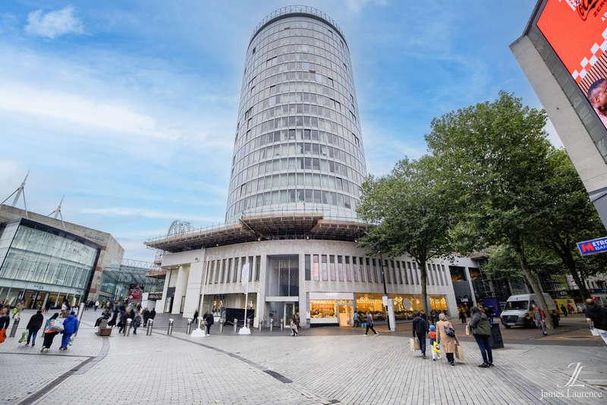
[(296, 9), (300, 210)]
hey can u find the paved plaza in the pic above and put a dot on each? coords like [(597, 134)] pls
[(315, 368)]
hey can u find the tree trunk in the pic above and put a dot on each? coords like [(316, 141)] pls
[(424, 281), (570, 263), (535, 286)]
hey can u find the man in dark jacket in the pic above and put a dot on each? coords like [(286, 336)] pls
[(420, 329), (208, 321), (33, 326), (70, 326)]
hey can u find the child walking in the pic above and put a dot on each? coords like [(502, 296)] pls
[(433, 343)]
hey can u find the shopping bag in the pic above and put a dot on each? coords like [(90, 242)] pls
[(23, 337), (594, 332), (468, 329), (459, 352), (2, 335), (413, 344)]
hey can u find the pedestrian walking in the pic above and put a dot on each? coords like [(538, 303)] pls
[(435, 347), (355, 320), (146, 315), (446, 337), (209, 320), (96, 305), (51, 329), (5, 320), (481, 330), (136, 322), (293, 327), (539, 318), (153, 313), (462, 315), (70, 326), (297, 321), (33, 326), (420, 328), (369, 321)]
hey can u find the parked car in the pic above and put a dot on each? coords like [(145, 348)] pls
[(518, 307)]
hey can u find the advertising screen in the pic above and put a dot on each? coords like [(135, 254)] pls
[(577, 31)]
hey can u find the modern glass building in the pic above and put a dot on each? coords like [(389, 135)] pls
[(43, 265), (297, 167), (298, 141)]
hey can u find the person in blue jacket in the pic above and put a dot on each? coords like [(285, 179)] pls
[(70, 326)]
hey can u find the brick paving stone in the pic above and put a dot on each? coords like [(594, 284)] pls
[(345, 368)]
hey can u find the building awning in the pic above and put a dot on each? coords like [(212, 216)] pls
[(262, 227)]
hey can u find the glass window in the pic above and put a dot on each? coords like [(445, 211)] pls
[(347, 268), (223, 271), (257, 267), (308, 267), (340, 268), (323, 268), (236, 270), (315, 268), (332, 267), (250, 268)]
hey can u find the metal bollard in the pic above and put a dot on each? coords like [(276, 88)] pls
[(271, 324), (235, 325), (221, 321), (170, 327), (259, 322), (282, 324), (15, 326), (127, 329), (150, 326), (188, 327)]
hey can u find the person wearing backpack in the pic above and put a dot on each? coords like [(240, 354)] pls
[(446, 337), (481, 330)]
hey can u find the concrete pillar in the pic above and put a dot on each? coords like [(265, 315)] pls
[(260, 310), (194, 287), (160, 304), (472, 292), (180, 288)]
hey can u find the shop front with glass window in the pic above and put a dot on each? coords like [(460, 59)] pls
[(331, 309), (43, 266), (405, 305)]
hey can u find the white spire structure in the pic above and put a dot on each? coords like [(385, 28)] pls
[(19, 193), (56, 213)]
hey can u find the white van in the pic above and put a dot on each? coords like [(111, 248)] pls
[(516, 312)]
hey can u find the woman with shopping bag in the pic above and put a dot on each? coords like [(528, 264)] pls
[(446, 337), (51, 329)]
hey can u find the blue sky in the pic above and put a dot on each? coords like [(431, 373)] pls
[(129, 108)]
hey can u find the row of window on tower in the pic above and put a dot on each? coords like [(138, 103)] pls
[(293, 196), (292, 180)]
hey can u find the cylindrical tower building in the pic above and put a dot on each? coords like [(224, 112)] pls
[(298, 144)]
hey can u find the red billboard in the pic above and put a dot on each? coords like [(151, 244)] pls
[(577, 31)]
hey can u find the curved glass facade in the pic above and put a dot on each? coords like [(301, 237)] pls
[(298, 142)]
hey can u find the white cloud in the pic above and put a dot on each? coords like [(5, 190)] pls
[(149, 213), (357, 5), (11, 175), (54, 23), (77, 109)]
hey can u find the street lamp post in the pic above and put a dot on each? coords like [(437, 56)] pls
[(383, 279)]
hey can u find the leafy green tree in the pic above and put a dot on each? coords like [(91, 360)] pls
[(410, 215), (569, 217), (492, 159)]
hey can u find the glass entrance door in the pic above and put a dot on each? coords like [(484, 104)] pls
[(290, 309)]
